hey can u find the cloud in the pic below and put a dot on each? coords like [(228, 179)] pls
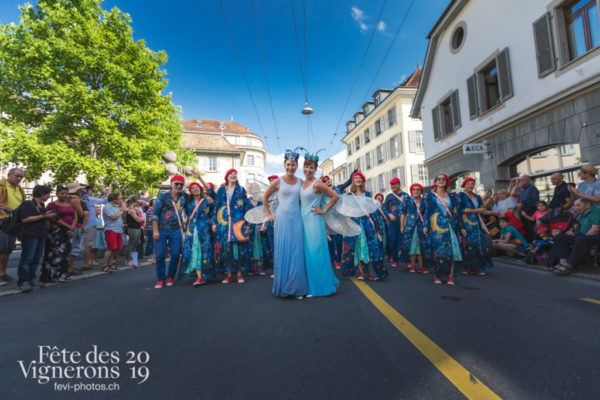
[(359, 16), (381, 26)]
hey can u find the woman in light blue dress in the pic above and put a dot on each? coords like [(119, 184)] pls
[(321, 279), (288, 251)]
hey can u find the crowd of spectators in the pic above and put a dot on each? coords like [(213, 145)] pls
[(53, 235)]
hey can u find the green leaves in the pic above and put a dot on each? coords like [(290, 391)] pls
[(80, 96)]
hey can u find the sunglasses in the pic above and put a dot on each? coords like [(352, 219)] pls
[(582, 171), (178, 184), (440, 179)]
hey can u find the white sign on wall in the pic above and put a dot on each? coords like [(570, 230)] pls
[(475, 148)]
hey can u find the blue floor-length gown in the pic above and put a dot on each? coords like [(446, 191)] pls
[(288, 256), (321, 280)]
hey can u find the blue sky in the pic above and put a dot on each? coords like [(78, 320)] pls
[(205, 77)]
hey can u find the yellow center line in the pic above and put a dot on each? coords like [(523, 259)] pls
[(460, 377), (595, 301)]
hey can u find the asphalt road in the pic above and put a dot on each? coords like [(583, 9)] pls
[(523, 334)]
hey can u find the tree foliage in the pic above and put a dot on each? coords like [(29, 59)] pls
[(78, 95)]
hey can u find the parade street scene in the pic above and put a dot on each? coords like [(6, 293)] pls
[(251, 199)]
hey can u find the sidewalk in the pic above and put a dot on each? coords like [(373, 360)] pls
[(11, 288), (582, 272)]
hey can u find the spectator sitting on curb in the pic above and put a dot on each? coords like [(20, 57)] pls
[(11, 197), (511, 241), (590, 187), (582, 236)]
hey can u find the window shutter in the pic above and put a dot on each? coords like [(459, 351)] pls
[(414, 173), (412, 141), (399, 144), (435, 118), (401, 175), (544, 45), (472, 94), (455, 109), (504, 80)]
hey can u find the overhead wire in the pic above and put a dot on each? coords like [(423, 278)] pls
[(239, 59), (262, 60), (362, 61), (387, 51)]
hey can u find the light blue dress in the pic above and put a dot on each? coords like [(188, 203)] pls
[(288, 257), (321, 280)]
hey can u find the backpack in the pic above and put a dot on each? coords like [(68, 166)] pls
[(12, 224)]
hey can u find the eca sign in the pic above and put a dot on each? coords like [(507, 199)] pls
[(475, 148)]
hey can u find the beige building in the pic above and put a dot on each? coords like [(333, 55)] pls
[(220, 146), (334, 167), (387, 142)]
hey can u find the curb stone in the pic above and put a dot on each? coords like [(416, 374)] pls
[(580, 275), (77, 278)]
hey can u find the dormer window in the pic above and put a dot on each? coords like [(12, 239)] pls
[(222, 126), (377, 99), (198, 123)]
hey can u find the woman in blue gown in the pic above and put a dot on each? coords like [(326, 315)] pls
[(412, 229), (197, 248), (475, 246), (442, 224), (288, 252), (320, 276), (231, 231), (364, 252)]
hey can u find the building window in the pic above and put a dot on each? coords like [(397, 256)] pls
[(458, 38), (446, 116), (250, 160), (378, 127), (368, 161), (490, 86), (541, 154), (391, 114), (377, 99), (419, 173), (415, 142), (212, 163), (583, 28), (380, 154), (198, 123), (381, 183), (357, 143), (349, 148), (393, 150), (367, 136)]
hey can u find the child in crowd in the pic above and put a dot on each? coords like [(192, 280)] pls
[(511, 240), (542, 210)]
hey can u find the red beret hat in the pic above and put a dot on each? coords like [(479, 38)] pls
[(177, 178), (230, 171), (359, 174), (469, 179), (395, 180)]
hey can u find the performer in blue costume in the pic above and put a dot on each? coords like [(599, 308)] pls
[(384, 223), (475, 248), (320, 276), (443, 224), (393, 205), (197, 248), (336, 241), (231, 230), (413, 230), (258, 242), (288, 252), (364, 250)]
